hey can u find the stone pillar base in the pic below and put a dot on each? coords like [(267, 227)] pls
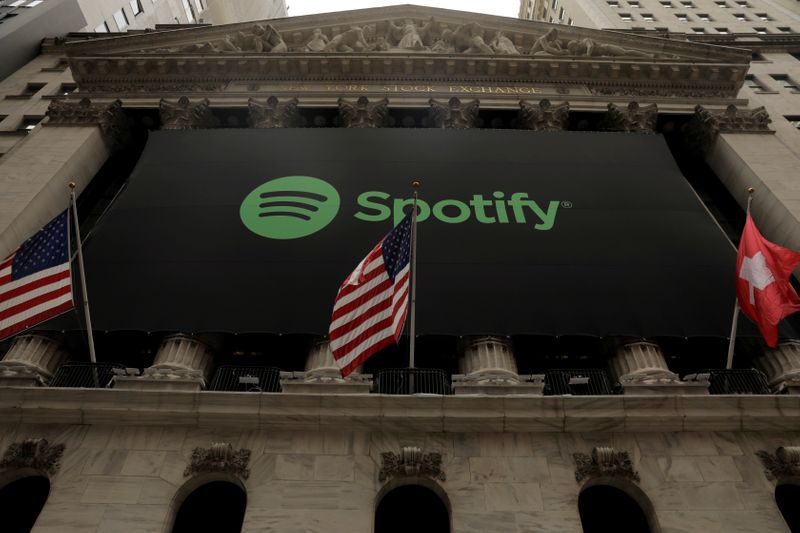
[(159, 379), (313, 383), (483, 384), (19, 376)]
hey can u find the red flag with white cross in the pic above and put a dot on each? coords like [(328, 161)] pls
[(762, 281)]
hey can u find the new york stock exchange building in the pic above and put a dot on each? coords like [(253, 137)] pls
[(581, 194)]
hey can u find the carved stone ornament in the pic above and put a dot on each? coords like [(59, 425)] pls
[(411, 462), (604, 462), (185, 115), (110, 117), (274, 114), (33, 453), (543, 116), (632, 119), (220, 457), (363, 114), (702, 130), (261, 38), (784, 464), (551, 44), (454, 114)]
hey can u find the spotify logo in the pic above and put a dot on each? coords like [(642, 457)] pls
[(290, 207)]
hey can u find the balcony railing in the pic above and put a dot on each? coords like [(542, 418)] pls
[(737, 381), (577, 382), (246, 379), (412, 381), (86, 375)]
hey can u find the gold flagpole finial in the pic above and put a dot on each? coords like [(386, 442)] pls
[(416, 184), (750, 190), (72, 185)]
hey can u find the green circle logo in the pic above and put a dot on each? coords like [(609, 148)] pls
[(290, 207)]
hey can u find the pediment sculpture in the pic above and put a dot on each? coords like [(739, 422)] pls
[(551, 44)]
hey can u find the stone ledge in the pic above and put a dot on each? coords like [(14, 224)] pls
[(399, 413)]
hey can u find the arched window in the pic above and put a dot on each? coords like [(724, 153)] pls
[(788, 499), (605, 508), (412, 508), (216, 506), (21, 501)]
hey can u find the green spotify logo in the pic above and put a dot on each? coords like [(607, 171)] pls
[(290, 207)]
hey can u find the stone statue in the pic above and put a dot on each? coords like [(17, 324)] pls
[(454, 114), (273, 115), (318, 41), (408, 35), (262, 38), (351, 40), (362, 114), (548, 44), (468, 39), (445, 43), (267, 39), (381, 44), (543, 117), (503, 45), (590, 48)]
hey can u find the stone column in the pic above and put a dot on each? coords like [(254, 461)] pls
[(782, 366), (322, 376), (31, 360), (488, 366), (640, 368), (182, 363)]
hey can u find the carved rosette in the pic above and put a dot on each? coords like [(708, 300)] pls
[(782, 465), (220, 457), (110, 117), (184, 115), (454, 114), (411, 462), (702, 130), (363, 114), (631, 119), (33, 453), (604, 462), (274, 114), (543, 116)]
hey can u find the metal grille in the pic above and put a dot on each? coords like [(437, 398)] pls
[(737, 381), (247, 379), (577, 382), (87, 375), (412, 381)]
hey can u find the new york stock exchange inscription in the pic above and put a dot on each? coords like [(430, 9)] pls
[(421, 89)]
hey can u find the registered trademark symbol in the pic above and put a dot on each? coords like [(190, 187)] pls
[(566, 204)]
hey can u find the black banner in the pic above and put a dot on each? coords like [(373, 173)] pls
[(521, 232)]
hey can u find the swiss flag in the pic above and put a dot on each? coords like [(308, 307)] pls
[(762, 281)]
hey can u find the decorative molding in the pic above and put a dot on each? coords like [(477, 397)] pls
[(33, 453), (274, 114), (543, 116), (705, 125), (632, 119), (363, 114), (784, 464), (411, 462), (146, 86), (220, 457), (454, 114), (604, 462), (666, 92), (110, 117), (184, 115)]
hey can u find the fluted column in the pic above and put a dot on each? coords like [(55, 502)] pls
[(640, 368), (182, 362), (489, 358), (322, 376), (32, 359), (782, 366)]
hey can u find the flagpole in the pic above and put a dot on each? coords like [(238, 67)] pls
[(735, 322), (413, 274), (92, 356)]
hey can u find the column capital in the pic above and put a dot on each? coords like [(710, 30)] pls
[(363, 114), (185, 115), (631, 119), (455, 114), (110, 117), (705, 125), (275, 114), (543, 116)]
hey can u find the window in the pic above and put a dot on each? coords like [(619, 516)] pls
[(102, 28), (215, 506), (740, 17), (794, 120), (554, 4), (613, 3), (31, 89), (666, 5), (760, 31), (121, 19), (784, 29), (28, 123), (687, 5), (561, 14), (391, 513), (703, 17), (136, 7), (722, 5), (682, 17), (763, 16), (755, 56), (606, 508), (786, 497), (626, 17), (786, 82), (752, 83), (22, 501), (634, 5), (569, 22), (698, 30), (722, 30), (742, 3), (187, 7), (66, 89), (647, 17)]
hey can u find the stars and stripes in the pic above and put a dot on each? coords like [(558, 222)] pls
[(370, 308), (35, 280)]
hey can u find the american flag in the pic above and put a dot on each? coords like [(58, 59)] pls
[(35, 280), (370, 309)]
